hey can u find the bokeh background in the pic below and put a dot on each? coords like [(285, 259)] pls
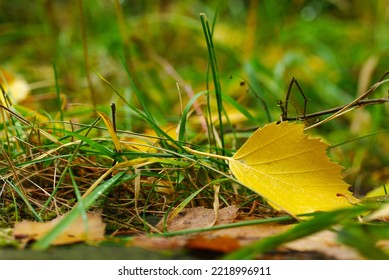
[(336, 49)]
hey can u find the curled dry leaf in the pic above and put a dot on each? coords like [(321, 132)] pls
[(79, 231)]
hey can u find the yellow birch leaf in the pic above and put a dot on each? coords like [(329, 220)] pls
[(290, 170)]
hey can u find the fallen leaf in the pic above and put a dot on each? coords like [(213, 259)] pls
[(323, 244), (190, 218), (147, 141), (78, 231), (290, 170), (223, 244), (159, 243), (199, 217), (326, 243), (247, 234)]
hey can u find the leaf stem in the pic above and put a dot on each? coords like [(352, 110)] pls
[(195, 152)]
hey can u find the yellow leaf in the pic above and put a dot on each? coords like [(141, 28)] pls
[(15, 86), (78, 231), (111, 131), (149, 139), (290, 170), (377, 192)]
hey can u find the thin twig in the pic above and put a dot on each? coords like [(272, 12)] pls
[(353, 103), (360, 103), (284, 108)]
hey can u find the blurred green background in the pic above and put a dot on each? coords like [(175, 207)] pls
[(336, 49)]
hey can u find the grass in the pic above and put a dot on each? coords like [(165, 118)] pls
[(62, 153)]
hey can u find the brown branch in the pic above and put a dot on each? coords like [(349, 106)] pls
[(360, 103), (354, 103)]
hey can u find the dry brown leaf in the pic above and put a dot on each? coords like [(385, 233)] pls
[(223, 244), (159, 243), (78, 231), (247, 234), (231, 239), (199, 217), (324, 242), (191, 218)]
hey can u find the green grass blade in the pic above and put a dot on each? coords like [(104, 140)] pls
[(24, 198), (358, 138), (215, 75), (185, 112), (145, 116), (364, 238), (92, 143), (45, 241), (241, 109), (101, 149), (181, 206), (138, 94), (216, 227), (58, 92)]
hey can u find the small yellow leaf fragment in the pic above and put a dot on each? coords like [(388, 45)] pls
[(290, 170), (15, 86), (111, 131), (79, 231)]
